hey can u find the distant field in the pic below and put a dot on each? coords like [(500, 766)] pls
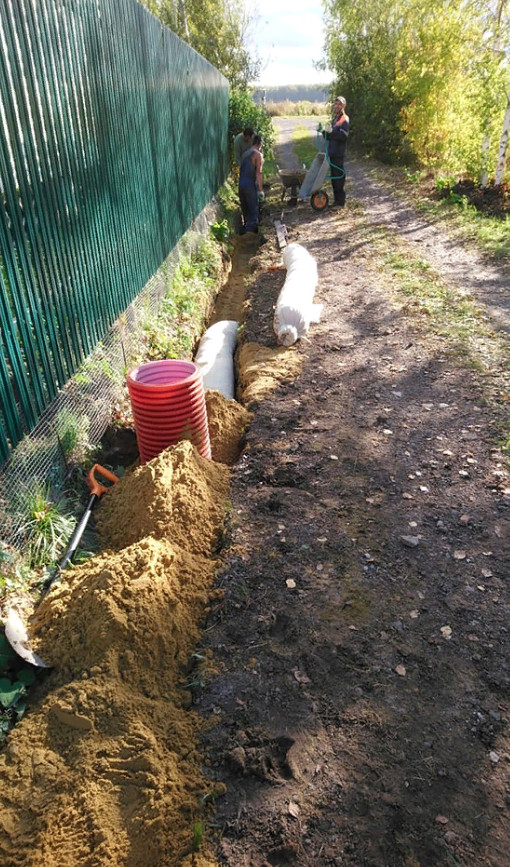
[(296, 109)]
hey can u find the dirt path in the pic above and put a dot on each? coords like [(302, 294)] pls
[(361, 697), (457, 264), (285, 156)]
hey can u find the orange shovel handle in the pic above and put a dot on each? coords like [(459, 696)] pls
[(95, 486)]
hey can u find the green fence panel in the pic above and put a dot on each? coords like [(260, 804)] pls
[(113, 137)]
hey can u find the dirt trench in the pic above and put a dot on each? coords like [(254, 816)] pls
[(104, 769)]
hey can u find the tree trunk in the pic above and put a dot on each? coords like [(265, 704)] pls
[(484, 174), (503, 141), (496, 48), (184, 20), (503, 144)]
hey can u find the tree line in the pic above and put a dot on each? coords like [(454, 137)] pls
[(425, 80), (292, 93)]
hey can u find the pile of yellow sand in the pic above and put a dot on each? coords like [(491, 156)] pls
[(228, 421), (140, 507), (128, 610), (261, 369), (104, 771)]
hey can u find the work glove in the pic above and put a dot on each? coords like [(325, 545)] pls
[(261, 196)]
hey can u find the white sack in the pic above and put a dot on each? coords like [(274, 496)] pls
[(215, 356), (295, 309)]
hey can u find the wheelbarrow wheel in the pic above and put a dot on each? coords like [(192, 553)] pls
[(319, 200)]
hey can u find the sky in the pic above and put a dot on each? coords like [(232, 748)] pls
[(288, 37)]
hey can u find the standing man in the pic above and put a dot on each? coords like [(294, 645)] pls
[(242, 143), (337, 140), (250, 186)]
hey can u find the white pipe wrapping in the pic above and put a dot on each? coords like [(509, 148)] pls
[(295, 309), (215, 356)]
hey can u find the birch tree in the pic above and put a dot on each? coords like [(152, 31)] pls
[(503, 145), (502, 46)]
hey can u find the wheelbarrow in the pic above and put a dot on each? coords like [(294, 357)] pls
[(291, 180), (321, 170)]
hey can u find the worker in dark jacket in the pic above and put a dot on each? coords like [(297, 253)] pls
[(250, 185), (337, 140)]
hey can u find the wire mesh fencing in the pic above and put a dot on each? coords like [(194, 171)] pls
[(78, 416)]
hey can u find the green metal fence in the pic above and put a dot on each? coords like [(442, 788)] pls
[(113, 137)]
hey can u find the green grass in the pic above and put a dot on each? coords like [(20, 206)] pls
[(304, 145), (490, 234), (46, 530), (198, 835), (444, 313), (173, 331)]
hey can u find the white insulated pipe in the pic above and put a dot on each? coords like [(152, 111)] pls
[(215, 356), (295, 309)]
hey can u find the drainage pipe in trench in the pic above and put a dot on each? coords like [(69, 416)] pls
[(215, 357)]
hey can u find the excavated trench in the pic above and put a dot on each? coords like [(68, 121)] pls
[(104, 769)]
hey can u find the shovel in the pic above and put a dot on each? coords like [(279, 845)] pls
[(15, 630)]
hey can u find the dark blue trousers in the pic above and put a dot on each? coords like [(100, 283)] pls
[(249, 206), (338, 185)]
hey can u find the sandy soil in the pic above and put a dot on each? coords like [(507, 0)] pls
[(362, 693)]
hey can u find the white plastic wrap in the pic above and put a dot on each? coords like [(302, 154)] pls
[(315, 177), (295, 309), (215, 356)]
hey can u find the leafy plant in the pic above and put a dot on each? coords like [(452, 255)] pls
[(445, 184), (14, 683), (15, 574), (11, 691), (221, 231), (455, 199), (47, 529), (413, 177), (242, 112)]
